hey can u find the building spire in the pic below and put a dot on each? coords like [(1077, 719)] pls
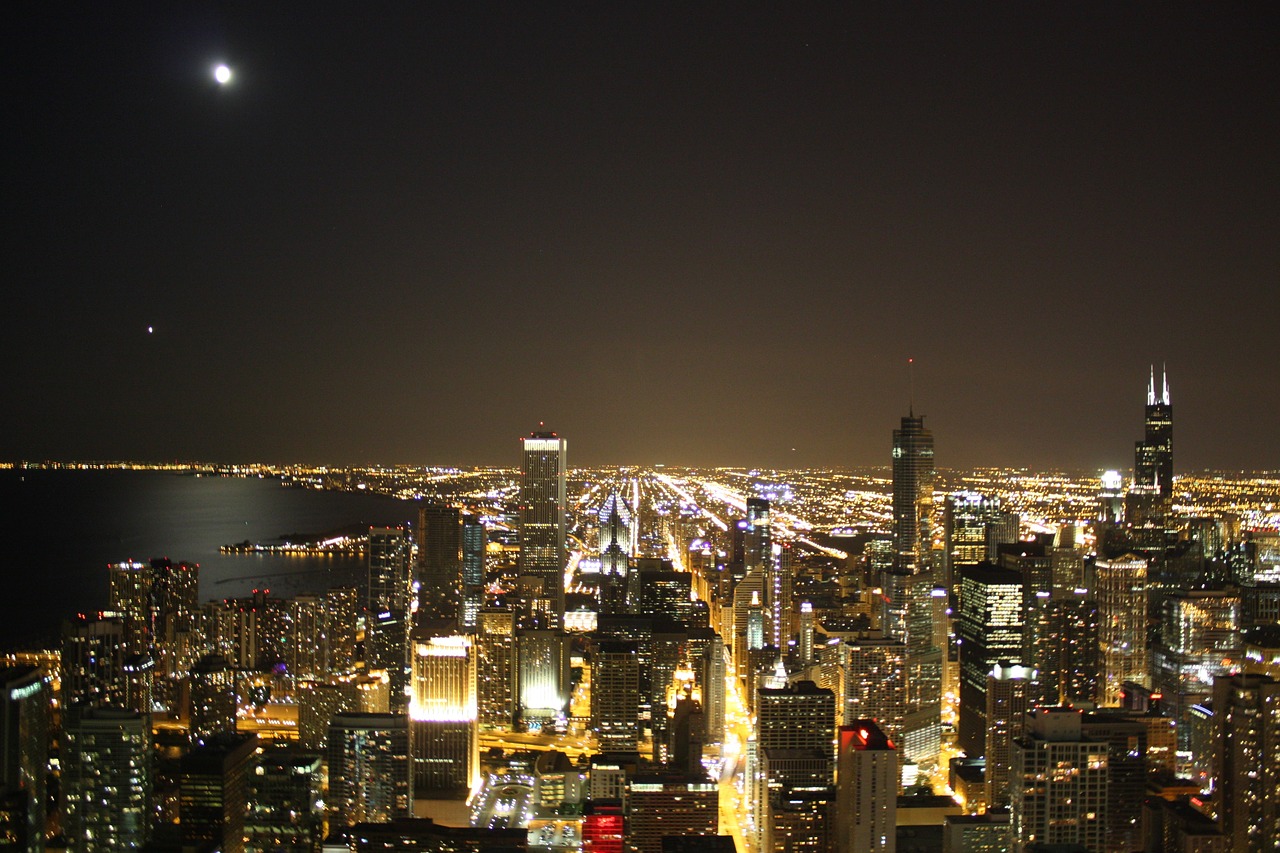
[(911, 382), (1151, 387), (1164, 375)]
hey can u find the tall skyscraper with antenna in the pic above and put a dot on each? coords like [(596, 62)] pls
[(909, 587), (1153, 456)]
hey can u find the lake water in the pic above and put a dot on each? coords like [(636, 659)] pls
[(62, 528)]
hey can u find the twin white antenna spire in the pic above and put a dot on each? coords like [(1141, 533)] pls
[(1151, 386)]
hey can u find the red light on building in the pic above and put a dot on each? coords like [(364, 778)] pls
[(602, 833)]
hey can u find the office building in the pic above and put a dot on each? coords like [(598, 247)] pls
[(1200, 640), (214, 792), (25, 710), (438, 572), (974, 526), (369, 775), (1122, 624), (474, 547), (1008, 692), (866, 790), (543, 554), (497, 693), (616, 550), (615, 696), (1111, 498), (990, 631), (286, 809), (106, 780), (543, 678), (911, 612), (659, 806), (1153, 456)]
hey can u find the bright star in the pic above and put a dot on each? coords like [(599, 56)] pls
[(222, 74)]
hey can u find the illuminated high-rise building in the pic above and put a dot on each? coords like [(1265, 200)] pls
[(798, 716), (543, 555), (866, 789), (497, 694), (369, 775), (1059, 783), (442, 715), (990, 631), (1122, 624), (1200, 640), (286, 807), (1111, 498), (913, 479), (388, 570), (909, 611), (342, 615), (659, 806), (1009, 690), (439, 565), (474, 546), (1246, 714), (93, 657), (129, 594), (214, 793), (544, 677), (25, 710), (615, 552), (213, 698), (872, 681), (387, 609), (1153, 456), (106, 780), (974, 527), (615, 695)]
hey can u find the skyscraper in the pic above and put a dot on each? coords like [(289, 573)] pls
[(439, 564), (913, 477), (1153, 456), (25, 709), (1058, 783), (474, 542), (214, 796), (106, 777), (387, 604), (498, 684), (866, 790), (542, 521), (909, 587), (442, 714), (1122, 624), (990, 630), (615, 695), (1246, 710), (369, 778)]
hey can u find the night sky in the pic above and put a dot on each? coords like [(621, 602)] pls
[(408, 233)]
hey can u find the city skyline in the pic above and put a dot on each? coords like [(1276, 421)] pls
[(681, 238)]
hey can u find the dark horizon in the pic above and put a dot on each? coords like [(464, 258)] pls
[(672, 235)]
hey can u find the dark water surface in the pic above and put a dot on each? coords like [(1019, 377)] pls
[(62, 528)]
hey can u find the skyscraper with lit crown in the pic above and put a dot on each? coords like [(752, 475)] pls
[(1153, 456), (542, 521)]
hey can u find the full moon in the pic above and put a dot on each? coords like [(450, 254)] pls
[(222, 74)]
